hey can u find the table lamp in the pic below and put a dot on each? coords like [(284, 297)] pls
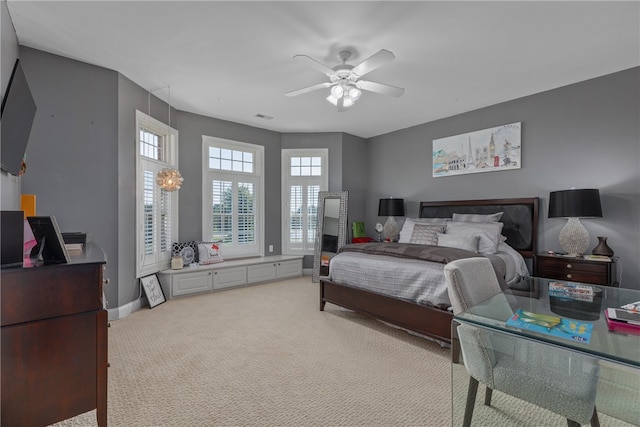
[(574, 204), (391, 207)]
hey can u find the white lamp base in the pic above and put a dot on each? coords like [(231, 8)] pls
[(574, 238), (390, 230)]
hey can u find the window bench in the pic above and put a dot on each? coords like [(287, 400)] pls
[(228, 274)]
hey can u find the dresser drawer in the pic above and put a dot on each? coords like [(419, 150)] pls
[(30, 294), (576, 276), (572, 265), (577, 270)]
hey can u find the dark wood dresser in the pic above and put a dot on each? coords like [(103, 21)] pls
[(575, 269), (54, 341)]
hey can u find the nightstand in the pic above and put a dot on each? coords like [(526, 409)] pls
[(575, 269)]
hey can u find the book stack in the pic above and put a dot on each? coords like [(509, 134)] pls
[(574, 291)]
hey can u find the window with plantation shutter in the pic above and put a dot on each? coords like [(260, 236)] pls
[(232, 182), (157, 209), (304, 175)]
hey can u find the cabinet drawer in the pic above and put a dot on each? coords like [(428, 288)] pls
[(50, 291), (289, 269), (49, 369), (261, 272), (572, 265), (574, 269), (191, 283), (596, 278), (227, 277)]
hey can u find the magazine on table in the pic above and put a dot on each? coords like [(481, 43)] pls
[(571, 329), (575, 291)]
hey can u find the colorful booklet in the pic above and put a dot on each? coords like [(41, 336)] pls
[(575, 291), (570, 329)]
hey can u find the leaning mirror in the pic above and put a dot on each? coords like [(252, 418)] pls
[(331, 230)]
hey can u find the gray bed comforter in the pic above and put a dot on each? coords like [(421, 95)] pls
[(402, 270)]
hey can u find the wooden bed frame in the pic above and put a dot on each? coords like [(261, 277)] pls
[(520, 220)]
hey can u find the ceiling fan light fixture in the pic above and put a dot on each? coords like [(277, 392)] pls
[(344, 85), (354, 93), (337, 91)]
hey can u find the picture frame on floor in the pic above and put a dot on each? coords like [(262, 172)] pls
[(152, 290)]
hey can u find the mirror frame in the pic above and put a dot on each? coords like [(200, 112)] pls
[(342, 226)]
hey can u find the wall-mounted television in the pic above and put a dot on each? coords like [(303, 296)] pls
[(16, 119)]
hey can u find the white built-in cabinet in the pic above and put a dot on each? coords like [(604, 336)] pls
[(228, 274)]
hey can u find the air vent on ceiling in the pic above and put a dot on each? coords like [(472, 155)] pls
[(262, 116)]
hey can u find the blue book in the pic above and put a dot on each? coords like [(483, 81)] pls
[(570, 329)]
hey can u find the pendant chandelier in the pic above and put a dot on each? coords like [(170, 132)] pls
[(169, 179)]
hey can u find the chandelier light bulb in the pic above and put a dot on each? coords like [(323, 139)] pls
[(354, 93), (337, 91)]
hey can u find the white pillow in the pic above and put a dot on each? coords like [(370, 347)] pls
[(468, 243), (407, 228), (426, 234), (477, 217), (208, 253), (488, 232)]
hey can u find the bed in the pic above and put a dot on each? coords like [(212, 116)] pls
[(432, 319)]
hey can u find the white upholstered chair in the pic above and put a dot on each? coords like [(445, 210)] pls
[(558, 380)]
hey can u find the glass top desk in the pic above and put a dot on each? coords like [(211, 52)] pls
[(617, 353)]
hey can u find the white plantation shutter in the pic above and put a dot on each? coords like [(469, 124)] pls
[(312, 213), (304, 174), (295, 216), (246, 213), (232, 212)]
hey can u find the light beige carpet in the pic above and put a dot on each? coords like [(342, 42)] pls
[(266, 356)]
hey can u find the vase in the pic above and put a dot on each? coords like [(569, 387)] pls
[(602, 248)]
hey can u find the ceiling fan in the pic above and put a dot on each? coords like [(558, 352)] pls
[(344, 79)]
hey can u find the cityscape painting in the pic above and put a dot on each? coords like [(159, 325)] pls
[(486, 150)]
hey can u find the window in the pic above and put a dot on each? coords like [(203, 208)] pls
[(233, 196), (156, 209), (304, 174)]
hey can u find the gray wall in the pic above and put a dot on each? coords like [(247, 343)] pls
[(584, 135), (72, 155), (355, 171)]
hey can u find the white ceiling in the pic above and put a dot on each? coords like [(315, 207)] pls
[(233, 60)]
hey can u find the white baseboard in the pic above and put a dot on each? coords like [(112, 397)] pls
[(125, 310)]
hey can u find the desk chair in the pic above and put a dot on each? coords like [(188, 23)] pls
[(558, 380)]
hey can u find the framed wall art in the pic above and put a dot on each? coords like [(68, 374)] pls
[(152, 290), (488, 150)]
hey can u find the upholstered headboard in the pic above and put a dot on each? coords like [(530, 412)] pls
[(520, 218)]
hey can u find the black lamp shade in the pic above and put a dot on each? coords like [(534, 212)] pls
[(575, 204), (391, 207)]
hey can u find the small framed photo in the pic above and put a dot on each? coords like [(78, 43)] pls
[(152, 290)]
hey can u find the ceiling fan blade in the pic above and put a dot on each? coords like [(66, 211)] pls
[(373, 62), (380, 88), (314, 64), (309, 89)]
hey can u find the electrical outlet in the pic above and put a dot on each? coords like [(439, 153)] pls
[(270, 248)]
